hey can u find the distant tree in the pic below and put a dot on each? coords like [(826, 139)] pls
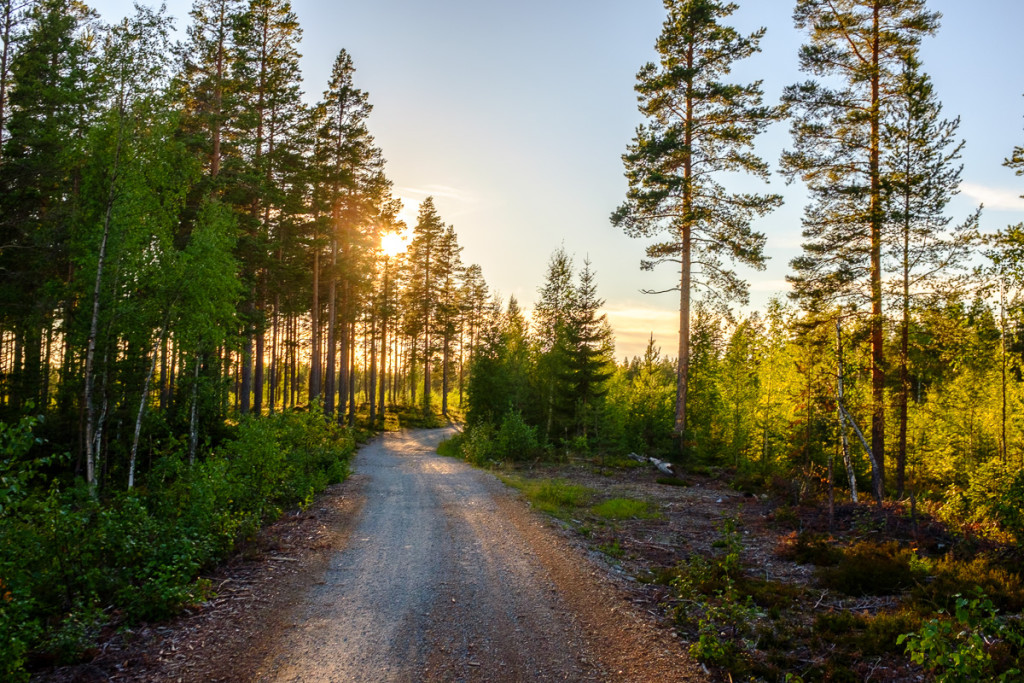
[(502, 365), (856, 48), (700, 126)]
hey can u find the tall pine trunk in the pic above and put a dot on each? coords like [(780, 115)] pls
[(877, 319)]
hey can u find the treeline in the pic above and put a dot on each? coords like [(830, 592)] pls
[(206, 294), (184, 239)]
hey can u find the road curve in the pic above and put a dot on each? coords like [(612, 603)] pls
[(447, 578)]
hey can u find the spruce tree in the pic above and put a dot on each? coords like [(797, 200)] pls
[(856, 48), (551, 316), (700, 125), (590, 350)]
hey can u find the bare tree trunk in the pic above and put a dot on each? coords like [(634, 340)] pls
[(351, 375), (372, 378), (314, 357), (257, 384), (840, 413), (332, 317), (877, 319), (193, 422), (142, 404)]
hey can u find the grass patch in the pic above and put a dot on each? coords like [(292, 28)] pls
[(625, 508), (452, 446), (672, 481), (554, 496), (613, 549)]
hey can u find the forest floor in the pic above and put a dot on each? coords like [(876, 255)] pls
[(417, 568)]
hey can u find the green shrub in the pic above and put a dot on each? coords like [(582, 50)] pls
[(870, 569), (809, 548), (515, 440), (950, 577)]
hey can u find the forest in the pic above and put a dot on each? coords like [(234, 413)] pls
[(207, 299)]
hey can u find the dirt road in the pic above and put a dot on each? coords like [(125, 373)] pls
[(447, 576)]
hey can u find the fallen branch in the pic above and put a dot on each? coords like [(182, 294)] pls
[(664, 467)]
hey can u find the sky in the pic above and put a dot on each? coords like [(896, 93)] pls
[(514, 117)]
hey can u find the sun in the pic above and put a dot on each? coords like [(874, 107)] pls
[(392, 244)]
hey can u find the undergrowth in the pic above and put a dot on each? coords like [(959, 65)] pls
[(71, 562)]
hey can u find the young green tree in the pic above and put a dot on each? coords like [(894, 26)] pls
[(856, 49), (134, 181), (551, 316), (700, 126), (589, 353)]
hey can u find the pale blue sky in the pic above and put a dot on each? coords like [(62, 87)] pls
[(514, 115)]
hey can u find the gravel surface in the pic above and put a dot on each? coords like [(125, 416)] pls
[(448, 577)]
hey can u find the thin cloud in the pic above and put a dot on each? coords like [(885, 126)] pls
[(997, 198), (440, 191)]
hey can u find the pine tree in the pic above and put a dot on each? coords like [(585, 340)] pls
[(922, 244), (447, 318), (422, 293), (838, 152), (265, 70), (206, 87), (700, 125), (12, 16), (50, 103), (349, 167)]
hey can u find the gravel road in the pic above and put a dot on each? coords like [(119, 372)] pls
[(449, 577)]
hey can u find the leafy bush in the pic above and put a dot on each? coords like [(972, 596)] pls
[(950, 577), (713, 607), (973, 644)]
